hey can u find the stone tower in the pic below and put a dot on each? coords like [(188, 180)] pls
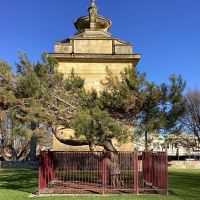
[(92, 49), (89, 52)]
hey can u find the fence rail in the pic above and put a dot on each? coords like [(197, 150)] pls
[(103, 172)]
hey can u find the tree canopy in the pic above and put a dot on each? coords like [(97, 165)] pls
[(39, 94)]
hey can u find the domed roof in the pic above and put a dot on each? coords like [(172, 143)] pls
[(93, 20), (83, 23)]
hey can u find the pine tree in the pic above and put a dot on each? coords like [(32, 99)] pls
[(38, 94)]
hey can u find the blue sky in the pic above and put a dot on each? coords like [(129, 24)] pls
[(165, 32)]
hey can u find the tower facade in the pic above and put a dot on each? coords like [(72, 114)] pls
[(89, 52)]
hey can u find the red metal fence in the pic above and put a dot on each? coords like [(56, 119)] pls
[(103, 172)]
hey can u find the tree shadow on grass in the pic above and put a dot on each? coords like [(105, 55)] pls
[(24, 180), (185, 184)]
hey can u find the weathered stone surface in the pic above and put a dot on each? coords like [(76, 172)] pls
[(93, 46), (93, 73)]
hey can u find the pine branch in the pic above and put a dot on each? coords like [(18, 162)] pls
[(53, 95), (68, 141)]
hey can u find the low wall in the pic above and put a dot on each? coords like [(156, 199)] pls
[(188, 164), (18, 164)]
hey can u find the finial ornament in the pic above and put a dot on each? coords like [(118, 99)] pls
[(92, 14), (92, 2)]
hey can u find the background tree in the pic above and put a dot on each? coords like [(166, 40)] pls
[(182, 141), (16, 137), (22, 96), (14, 140), (191, 117)]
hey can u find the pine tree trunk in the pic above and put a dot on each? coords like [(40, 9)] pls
[(113, 164), (114, 171)]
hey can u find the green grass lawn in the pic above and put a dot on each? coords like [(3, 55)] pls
[(19, 184)]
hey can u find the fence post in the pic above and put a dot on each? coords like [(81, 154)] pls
[(154, 170), (104, 176), (51, 165), (40, 173), (135, 165), (166, 172)]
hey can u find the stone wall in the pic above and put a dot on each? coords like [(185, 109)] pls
[(93, 73), (94, 46), (188, 164), (18, 164)]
